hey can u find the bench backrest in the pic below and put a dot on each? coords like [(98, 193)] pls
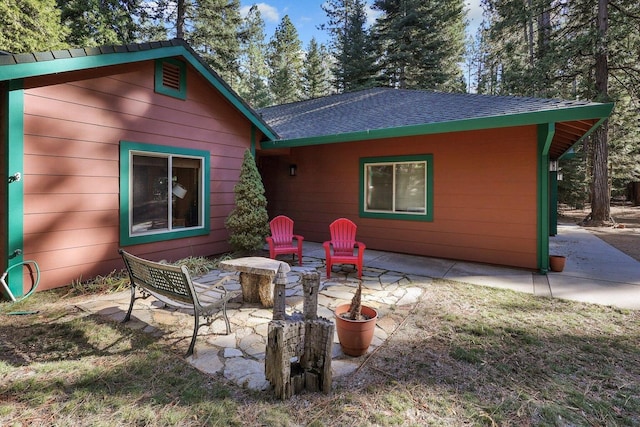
[(173, 282)]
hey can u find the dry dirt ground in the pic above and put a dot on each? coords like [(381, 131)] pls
[(624, 235)]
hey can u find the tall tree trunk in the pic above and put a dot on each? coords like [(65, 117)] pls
[(544, 40), (600, 205), (180, 21), (528, 34)]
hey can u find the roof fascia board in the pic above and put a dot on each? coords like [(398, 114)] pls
[(32, 69), (63, 65), (582, 112)]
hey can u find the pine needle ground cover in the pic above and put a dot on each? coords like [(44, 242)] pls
[(466, 355)]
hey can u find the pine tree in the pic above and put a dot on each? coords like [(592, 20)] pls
[(582, 49), (355, 65), (600, 193), (215, 36), (101, 22), (248, 222), (574, 186), (524, 48), (316, 75), (30, 26), (285, 61), (253, 69), (421, 44)]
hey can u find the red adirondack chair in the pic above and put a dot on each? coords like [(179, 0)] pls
[(281, 239), (343, 247)]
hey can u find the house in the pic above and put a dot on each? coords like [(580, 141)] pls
[(140, 146), (457, 176), (136, 146)]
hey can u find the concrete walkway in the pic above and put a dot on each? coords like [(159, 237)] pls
[(595, 272)]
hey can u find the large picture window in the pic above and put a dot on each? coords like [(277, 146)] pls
[(397, 187), (163, 192)]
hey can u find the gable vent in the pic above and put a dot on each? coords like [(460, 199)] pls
[(170, 78), (170, 75)]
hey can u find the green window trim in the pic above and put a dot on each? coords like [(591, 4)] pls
[(408, 216), (127, 148), (171, 78)]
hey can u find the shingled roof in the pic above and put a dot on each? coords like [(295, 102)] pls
[(8, 58), (380, 112), (367, 114)]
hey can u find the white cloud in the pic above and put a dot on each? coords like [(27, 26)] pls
[(474, 16), (372, 14), (475, 11), (269, 13)]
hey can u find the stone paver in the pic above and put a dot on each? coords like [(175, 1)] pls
[(239, 356)]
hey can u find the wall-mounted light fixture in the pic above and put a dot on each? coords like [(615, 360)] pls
[(293, 169)]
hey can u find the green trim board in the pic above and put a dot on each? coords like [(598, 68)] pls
[(15, 190), (553, 203), (126, 147), (545, 136), (582, 112), (253, 141), (413, 216), (68, 64)]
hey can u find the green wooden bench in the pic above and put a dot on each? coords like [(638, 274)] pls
[(173, 286)]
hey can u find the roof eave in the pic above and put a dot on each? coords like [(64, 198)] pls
[(586, 135), (581, 112), (171, 48)]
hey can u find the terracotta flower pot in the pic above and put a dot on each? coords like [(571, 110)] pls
[(355, 335), (556, 262)]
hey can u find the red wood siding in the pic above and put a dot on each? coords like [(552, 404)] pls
[(73, 127), (485, 195)]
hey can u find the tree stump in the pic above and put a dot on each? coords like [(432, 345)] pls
[(257, 288), (298, 354), (256, 277)]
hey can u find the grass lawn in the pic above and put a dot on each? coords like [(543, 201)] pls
[(467, 355)]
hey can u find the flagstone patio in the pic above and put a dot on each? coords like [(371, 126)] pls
[(239, 356)]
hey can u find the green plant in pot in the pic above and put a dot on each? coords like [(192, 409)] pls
[(355, 325)]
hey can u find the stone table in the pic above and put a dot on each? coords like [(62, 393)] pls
[(256, 278)]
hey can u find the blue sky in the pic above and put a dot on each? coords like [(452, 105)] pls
[(306, 15)]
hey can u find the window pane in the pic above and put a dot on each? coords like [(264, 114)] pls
[(379, 187), (186, 206), (410, 187), (150, 207)]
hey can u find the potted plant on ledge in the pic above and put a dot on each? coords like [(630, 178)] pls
[(355, 325)]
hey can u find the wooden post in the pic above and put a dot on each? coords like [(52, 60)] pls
[(310, 287), (279, 294)]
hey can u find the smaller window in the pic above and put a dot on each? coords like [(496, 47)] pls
[(397, 187), (171, 78)]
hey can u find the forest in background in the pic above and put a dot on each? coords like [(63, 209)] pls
[(569, 49)]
